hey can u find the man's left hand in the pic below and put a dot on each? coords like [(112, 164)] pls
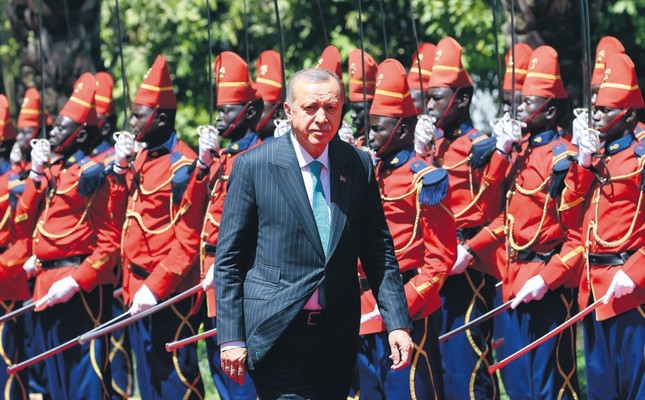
[(60, 292), (400, 348), (234, 363)]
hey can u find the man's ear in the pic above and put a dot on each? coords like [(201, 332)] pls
[(404, 130), (631, 115), (463, 100), (551, 112), (82, 136), (162, 117), (251, 111), (287, 110)]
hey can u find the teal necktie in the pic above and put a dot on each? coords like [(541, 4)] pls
[(319, 204)]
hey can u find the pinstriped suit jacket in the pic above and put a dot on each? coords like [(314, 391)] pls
[(270, 258)]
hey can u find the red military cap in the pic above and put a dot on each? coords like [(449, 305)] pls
[(330, 60), (543, 77), (234, 85), (426, 52), (156, 89), (81, 106), (607, 47), (392, 96), (29, 116), (521, 62), (7, 131), (356, 75), (448, 70), (269, 76), (103, 96), (619, 88)]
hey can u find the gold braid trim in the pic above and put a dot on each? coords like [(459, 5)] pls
[(45, 233), (531, 192), (593, 225), (511, 223), (474, 200), (459, 164), (212, 220), (69, 189), (6, 217), (416, 189), (178, 164), (173, 221)]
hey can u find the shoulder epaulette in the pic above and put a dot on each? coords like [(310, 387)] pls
[(92, 178), (482, 149), (561, 164), (434, 182), (639, 150)]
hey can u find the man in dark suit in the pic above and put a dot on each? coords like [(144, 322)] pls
[(300, 211)]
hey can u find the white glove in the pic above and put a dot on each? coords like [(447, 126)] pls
[(208, 145), (282, 126), (30, 266), (16, 154), (588, 145), (60, 292), (463, 260), (138, 146), (346, 133), (207, 283), (143, 300), (507, 131), (374, 314), (580, 125), (620, 286), (534, 289), (40, 154), (123, 150), (424, 134)]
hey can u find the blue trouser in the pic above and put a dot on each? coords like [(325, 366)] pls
[(466, 357), (226, 387), (11, 352), (83, 371), (420, 380), (499, 324), (614, 356), (121, 357), (162, 374), (548, 371), (33, 347)]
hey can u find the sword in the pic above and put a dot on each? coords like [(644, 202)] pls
[(27, 306), (482, 318), (191, 339)]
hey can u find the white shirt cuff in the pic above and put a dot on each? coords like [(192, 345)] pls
[(235, 344)]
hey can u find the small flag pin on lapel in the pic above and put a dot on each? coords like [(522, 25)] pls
[(343, 179)]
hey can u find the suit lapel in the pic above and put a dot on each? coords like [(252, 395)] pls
[(289, 179), (338, 184)]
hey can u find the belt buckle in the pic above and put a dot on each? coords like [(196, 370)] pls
[(312, 318), (512, 254)]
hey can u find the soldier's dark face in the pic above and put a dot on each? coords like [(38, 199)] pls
[(381, 128), (418, 100), (23, 138), (143, 123), (529, 106), (439, 100), (357, 115), (60, 137), (507, 99), (603, 116), (226, 115)]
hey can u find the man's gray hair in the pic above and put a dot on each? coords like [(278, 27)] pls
[(314, 75)]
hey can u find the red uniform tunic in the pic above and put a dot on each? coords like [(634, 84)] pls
[(614, 222), (535, 222), (424, 235), (165, 205)]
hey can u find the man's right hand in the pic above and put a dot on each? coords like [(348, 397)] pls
[(234, 363), (463, 260), (123, 150), (40, 154)]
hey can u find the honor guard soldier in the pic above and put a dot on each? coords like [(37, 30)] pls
[(611, 190), (475, 197), (165, 194), (74, 247), (360, 94), (542, 238), (268, 83), (420, 73), (423, 229), (103, 152), (14, 289), (239, 107)]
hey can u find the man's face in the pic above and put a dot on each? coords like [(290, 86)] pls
[(602, 117), (529, 105), (63, 128), (269, 126), (358, 116), (139, 119), (507, 99), (381, 128), (226, 115), (315, 113), (438, 101), (418, 99), (23, 138)]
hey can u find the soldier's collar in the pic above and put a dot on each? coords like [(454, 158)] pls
[(397, 159), (100, 148), (620, 144), (75, 158), (463, 129), (543, 138), (165, 148), (242, 144)]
